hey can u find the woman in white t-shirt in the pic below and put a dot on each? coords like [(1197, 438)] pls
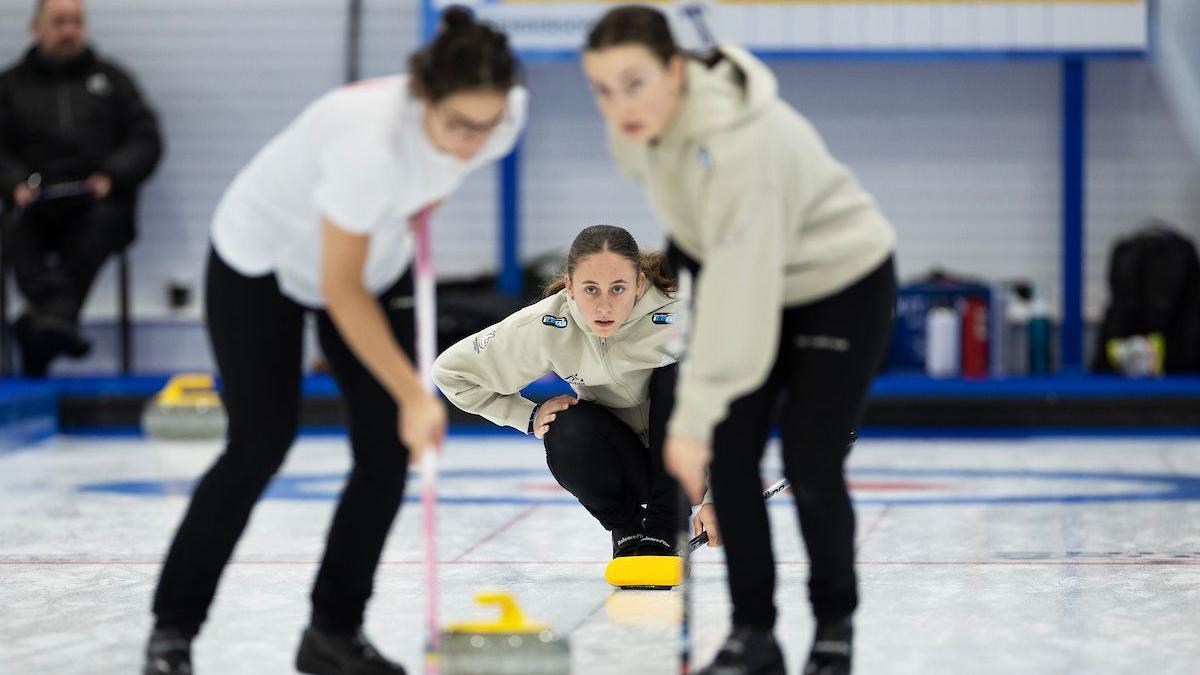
[(319, 221)]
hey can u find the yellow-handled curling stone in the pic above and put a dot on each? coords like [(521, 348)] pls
[(662, 572), (187, 408), (511, 645)]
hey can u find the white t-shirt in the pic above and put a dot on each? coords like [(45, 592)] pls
[(358, 156)]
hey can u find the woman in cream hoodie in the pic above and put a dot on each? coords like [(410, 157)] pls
[(608, 329), (794, 293)]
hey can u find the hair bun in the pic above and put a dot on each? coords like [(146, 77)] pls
[(456, 17), (466, 54)]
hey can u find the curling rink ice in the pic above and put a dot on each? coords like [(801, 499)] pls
[(1041, 555)]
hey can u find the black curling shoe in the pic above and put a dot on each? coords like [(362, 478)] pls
[(324, 653), (832, 647), (169, 652), (747, 651)]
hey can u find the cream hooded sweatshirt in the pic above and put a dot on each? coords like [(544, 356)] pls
[(744, 184), (484, 374)]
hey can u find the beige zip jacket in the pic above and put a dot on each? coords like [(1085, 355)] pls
[(484, 374)]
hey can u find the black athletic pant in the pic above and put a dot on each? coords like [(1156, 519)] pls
[(599, 459), (57, 248), (829, 351), (256, 337)]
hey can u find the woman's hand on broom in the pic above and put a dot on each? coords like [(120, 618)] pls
[(687, 459), (705, 520), (422, 425)]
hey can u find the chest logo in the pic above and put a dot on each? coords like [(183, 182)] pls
[(663, 318), (98, 84), (556, 321)]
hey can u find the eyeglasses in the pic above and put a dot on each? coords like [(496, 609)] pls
[(465, 127)]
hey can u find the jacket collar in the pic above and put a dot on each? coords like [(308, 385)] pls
[(36, 60)]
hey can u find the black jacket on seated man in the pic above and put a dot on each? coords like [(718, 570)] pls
[(75, 120)]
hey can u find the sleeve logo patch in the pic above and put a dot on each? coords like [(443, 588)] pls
[(663, 318), (482, 341), (556, 321)]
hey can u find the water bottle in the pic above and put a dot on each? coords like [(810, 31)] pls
[(1039, 337), (942, 335)]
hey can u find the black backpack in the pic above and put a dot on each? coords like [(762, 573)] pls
[(1154, 285)]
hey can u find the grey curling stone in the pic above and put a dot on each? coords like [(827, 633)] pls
[(187, 409), (510, 646)]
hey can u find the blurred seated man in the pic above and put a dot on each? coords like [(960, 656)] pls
[(76, 142)]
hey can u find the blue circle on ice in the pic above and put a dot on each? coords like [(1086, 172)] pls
[(882, 485)]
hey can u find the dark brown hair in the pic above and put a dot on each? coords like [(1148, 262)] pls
[(464, 55), (634, 25), (600, 238)]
